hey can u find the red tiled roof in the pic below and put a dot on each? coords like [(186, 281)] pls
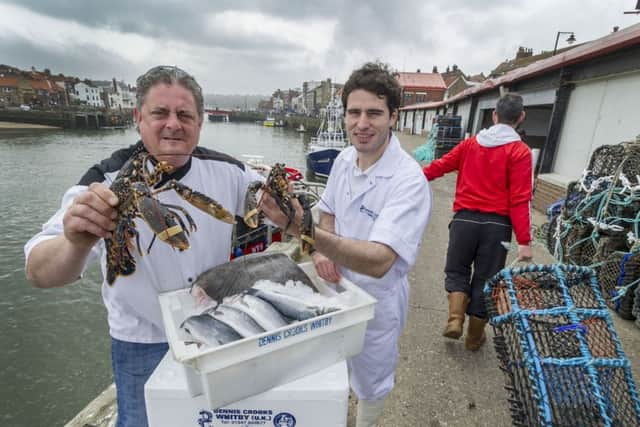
[(44, 85), (421, 80), (621, 39), (9, 82)]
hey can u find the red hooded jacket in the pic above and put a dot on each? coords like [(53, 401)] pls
[(494, 176)]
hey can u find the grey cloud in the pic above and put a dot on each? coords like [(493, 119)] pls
[(71, 62)]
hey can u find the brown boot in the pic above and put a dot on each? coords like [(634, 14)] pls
[(458, 302), (475, 333)]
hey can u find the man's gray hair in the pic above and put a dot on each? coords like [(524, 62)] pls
[(168, 74), (509, 108)]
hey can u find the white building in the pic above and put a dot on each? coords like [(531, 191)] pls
[(88, 94), (120, 95)]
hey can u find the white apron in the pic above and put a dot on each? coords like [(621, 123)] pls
[(389, 203)]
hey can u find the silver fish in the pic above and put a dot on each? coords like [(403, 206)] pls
[(207, 330), (233, 277), (240, 321), (291, 306), (260, 310)]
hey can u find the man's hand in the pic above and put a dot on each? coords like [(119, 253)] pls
[(326, 269), (525, 253), (268, 205), (91, 216)]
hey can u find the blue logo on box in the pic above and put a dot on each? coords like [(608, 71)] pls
[(206, 418), (284, 419)]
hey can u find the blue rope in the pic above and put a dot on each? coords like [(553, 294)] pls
[(535, 365)]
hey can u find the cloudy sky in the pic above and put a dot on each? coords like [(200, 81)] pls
[(257, 46)]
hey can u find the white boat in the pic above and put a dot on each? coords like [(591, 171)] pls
[(329, 140), (301, 128)]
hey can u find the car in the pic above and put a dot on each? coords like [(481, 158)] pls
[(25, 107)]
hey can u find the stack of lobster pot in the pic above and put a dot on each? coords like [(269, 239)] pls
[(558, 348), (599, 222)]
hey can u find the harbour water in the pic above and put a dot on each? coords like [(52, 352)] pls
[(55, 354)]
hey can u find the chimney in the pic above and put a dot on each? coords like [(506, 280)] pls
[(523, 52)]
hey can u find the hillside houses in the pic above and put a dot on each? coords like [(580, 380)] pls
[(42, 90)]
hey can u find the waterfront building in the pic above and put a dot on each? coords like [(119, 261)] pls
[(9, 95), (88, 94)]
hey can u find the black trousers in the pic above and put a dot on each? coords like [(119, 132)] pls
[(474, 241)]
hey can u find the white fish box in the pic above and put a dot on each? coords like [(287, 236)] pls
[(255, 364), (317, 400)]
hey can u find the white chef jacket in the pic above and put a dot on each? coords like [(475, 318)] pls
[(389, 203)]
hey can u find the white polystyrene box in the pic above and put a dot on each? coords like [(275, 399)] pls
[(316, 400), (254, 364)]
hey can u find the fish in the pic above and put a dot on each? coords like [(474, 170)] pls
[(289, 304), (241, 273), (301, 291), (238, 320), (207, 330), (260, 310)]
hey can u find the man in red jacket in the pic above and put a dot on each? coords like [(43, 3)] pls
[(493, 191)]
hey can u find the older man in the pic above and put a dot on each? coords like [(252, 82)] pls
[(169, 114)]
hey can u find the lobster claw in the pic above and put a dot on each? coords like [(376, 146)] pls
[(200, 201), (163, 222), (252, 216), (307, 227)]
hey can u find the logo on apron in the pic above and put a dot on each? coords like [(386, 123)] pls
[(371, 214)]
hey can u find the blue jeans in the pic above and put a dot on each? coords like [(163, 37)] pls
[(133, 364)]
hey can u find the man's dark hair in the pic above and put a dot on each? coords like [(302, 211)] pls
[(374, 77), (509, 108), (169, 74)]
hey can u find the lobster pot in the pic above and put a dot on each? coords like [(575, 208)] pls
[(618, 278), (573, 197), (606, 159), (550, 233), (556, 344), (579, 246)]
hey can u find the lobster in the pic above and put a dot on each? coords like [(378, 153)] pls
[(277, 186), (134, 187)]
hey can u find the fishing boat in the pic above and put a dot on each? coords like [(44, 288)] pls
[(328, 142)]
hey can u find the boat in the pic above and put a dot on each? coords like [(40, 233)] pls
[(328, 141), (301, 128), (269, 122)]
